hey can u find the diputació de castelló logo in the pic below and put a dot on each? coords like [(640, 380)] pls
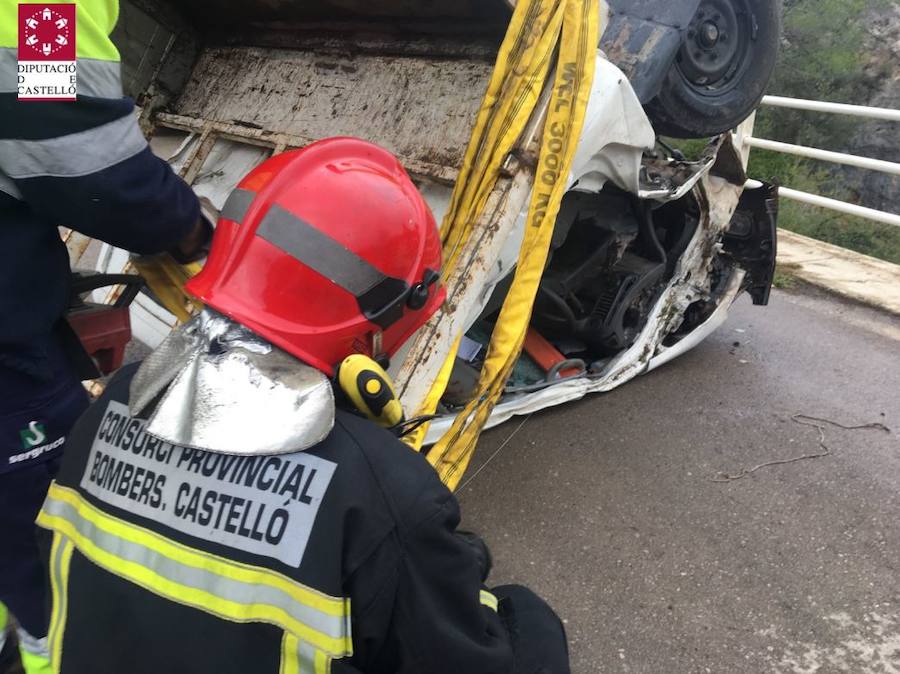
[(47, 69)]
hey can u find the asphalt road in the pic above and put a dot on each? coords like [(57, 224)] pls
[(608, 508)]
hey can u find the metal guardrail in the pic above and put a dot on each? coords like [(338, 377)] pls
[(747, 141)]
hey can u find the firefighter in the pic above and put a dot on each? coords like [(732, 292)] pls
[(84, 165), (220, 510)]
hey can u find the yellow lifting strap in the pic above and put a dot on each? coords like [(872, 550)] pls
[(539, 30), (166, 279)]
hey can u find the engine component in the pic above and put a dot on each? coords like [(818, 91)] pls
[(602, 280), (622, 306)]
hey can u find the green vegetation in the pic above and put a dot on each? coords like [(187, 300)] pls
[(784, 280), (823, 58)]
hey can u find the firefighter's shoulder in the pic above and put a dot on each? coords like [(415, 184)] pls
[(404, 477)]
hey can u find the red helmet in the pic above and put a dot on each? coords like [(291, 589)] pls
[(326, 251)]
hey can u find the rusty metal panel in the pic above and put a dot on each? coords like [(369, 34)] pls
[(643, 37), (419, 108), (418, 367), (642, 49), (674, 13)]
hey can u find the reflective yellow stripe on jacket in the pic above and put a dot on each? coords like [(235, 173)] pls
[(60, 558), (489, 600), (317, 626), (99, 70), (298, 657)]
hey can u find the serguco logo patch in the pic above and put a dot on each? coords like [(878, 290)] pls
[(47, 68), (32, 436)]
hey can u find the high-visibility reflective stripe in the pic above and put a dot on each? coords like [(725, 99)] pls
[(34, 653), (60, 560), (237, 204), (32, 645), (318, 251), (290, 657), (33, 662), (299, 657), (489, 600), (323, 663), (100, 79), (74, 155), (8, 69), (7, 186), (97, 78), (230, 590)]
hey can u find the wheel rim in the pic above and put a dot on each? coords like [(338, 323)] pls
[(716, 51)]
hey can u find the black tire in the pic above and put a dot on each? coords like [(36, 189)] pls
[(722, 69)]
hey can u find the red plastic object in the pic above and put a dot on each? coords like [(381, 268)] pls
[(326, 251), (545, 354), (104, 332)]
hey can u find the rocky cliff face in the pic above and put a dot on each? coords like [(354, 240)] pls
[(877, 139)]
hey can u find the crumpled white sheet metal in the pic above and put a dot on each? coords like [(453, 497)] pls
[(615, 136), (221, 388), (690, 283)]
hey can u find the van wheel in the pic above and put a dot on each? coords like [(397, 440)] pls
[(722, 69)]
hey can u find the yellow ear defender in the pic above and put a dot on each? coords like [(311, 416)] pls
[(369, 388)]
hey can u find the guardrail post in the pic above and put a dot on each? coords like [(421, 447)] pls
[(742, 135)]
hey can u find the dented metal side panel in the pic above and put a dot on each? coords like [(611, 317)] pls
[(420, 108)]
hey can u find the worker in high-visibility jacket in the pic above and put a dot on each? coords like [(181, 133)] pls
[(220, 511), (85, 165)]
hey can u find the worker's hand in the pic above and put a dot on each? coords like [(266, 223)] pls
[(195, 246)]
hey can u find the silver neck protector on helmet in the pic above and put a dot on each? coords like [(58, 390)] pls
[(215, 385)]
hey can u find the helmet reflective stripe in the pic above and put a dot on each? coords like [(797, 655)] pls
[(237, 205), (318, 251), (378, 295)]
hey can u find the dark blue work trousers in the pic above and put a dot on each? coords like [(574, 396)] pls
[(36, 415)]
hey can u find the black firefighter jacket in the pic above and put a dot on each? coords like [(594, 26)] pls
[(342, 558)]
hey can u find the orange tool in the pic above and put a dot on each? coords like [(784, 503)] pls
[(545, 354)]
